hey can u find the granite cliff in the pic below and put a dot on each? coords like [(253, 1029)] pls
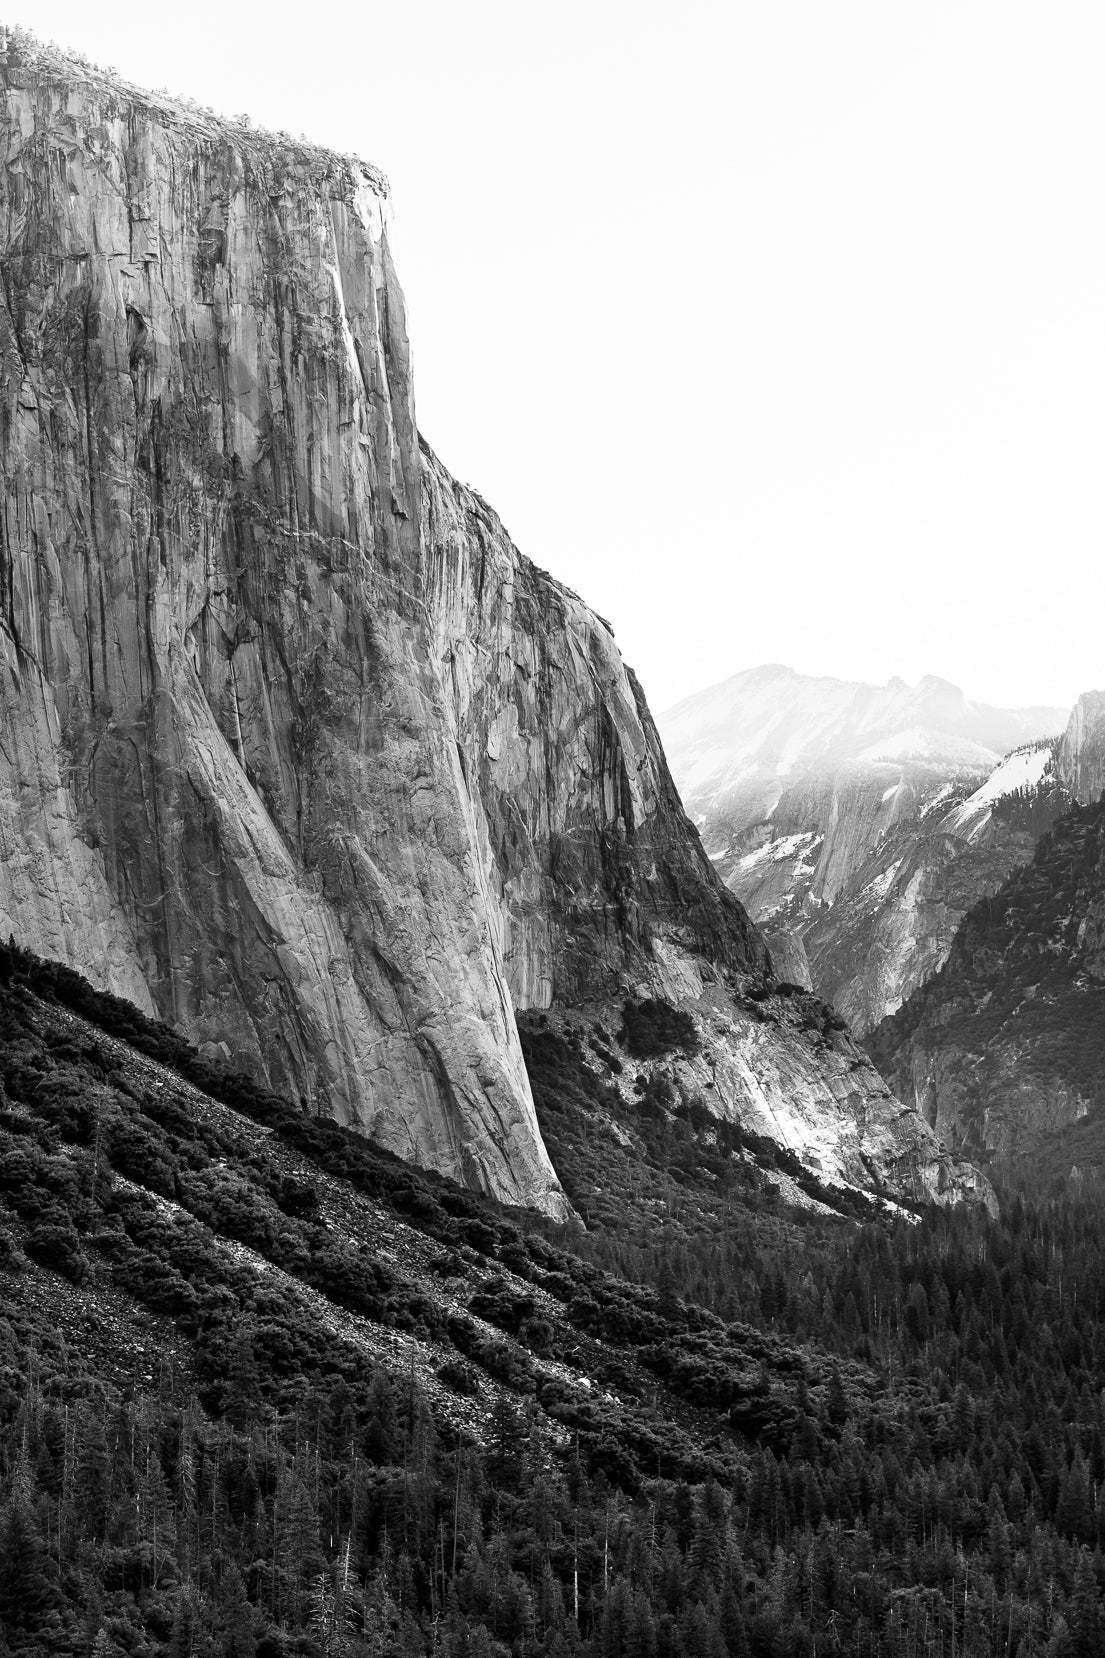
[(1080, 758), (296, 749)]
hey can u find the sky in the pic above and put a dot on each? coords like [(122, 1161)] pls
[(774, 328)]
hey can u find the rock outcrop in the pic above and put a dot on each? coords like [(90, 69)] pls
[(296, 749), (1080, 758), (591, 852)]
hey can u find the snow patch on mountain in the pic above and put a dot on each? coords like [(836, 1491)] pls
[(938, 800), (860, 822), (736, 747), (917, 742), (875, 891), (776, 851), (1024, 769)]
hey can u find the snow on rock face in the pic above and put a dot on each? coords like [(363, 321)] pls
[(733, 745), (793, 847), (860, 819), (771, 878), (1023, 770), (877, 888), (941, 748)]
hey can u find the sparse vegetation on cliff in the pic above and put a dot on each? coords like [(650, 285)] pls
[(653, 1028)]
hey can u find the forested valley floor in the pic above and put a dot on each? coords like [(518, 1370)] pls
[(266, 1390)]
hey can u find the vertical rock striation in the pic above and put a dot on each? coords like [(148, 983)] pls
[(229, 787), (296, 749), (1080, 758), (590, 851)]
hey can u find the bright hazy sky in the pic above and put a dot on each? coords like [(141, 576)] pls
[(776, 328)]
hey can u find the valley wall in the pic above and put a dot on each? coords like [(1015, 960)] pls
[(297, 750)]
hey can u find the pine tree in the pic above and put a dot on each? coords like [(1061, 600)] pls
[(242, 1391), (26, 1594), (1085, 1616), (92, 1486), (616, 1613), (1074, 1511), (836, 1405), (507, 1437), (382, 1432), (708, 1540), (187, 1630), (235, 1623), (667, 1287)]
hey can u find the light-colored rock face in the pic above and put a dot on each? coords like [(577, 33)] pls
[(893, 925), (785, 1066), (232, 793), (862, 821), (788, 957), (1080, 758), (591, 856), (296, 749)]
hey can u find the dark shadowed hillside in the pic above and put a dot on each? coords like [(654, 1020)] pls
[(265, 1390), (1004, 1050)]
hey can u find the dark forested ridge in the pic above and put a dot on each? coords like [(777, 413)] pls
[(1005, 1047), (264, 1389)]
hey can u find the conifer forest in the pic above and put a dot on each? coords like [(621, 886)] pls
[(231, 1425)]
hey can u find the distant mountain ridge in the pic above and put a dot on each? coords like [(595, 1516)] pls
[(858, 823), (737, 743)]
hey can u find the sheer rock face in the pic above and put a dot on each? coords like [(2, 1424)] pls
[(591, 854), (235, 795), (603, 885), (296, 749), (1080, 759)]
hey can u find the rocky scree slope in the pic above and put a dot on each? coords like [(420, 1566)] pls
[(299, 752), (1004, 1049), (859, 823)]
